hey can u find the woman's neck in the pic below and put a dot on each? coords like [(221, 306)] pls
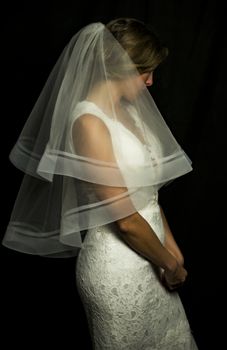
[(106, 95)]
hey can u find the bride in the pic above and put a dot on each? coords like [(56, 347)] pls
[(95, 152)]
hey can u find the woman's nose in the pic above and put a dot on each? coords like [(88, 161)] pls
[(149, 80)]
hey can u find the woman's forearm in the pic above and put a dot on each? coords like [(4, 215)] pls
[(170, 242), (138, 234)]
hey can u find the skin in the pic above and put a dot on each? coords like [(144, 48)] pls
[(147, 78), (134, 229)]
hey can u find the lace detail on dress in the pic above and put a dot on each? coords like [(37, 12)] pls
[(126, 305)]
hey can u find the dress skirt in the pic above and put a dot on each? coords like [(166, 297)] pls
[(126, 305)]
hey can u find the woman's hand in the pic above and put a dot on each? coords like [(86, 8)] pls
[(173, 280)]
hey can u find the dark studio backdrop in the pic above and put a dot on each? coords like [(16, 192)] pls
[(39, 301)]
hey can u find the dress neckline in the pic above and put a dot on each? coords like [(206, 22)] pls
[(112, 121)]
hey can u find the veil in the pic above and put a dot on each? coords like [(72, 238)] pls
[(88, 160)]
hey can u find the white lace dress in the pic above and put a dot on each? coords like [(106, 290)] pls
[(126, 305)]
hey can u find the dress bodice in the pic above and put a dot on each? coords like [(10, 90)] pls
[(133, 150)]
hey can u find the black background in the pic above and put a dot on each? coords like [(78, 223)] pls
[(39, 301)]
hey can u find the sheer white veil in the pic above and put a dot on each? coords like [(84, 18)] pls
[(59, 198)]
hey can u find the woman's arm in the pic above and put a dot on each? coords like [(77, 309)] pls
[(134, 229), (140, 236), (170, 243)]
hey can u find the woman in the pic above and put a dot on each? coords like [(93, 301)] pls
[(95, 151)]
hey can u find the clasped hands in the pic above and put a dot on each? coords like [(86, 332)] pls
[(174, 279)]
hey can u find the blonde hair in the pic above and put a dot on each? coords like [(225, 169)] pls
[(141, 43)]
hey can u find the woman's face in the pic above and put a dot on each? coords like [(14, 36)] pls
[(147, 78), (135, 85)]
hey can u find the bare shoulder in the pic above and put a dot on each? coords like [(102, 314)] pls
[(92, 138), (88, 123)]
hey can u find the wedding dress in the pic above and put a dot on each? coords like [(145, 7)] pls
[(127, 306)]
